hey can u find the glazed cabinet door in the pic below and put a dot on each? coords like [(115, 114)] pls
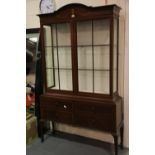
[(58, 64), (93, 48)]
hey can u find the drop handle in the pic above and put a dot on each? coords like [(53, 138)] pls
[(65, 107), (73, 14)]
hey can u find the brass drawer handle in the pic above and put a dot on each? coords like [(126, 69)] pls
[(65, 107)]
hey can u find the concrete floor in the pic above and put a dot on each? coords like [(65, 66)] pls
[(63, 144)]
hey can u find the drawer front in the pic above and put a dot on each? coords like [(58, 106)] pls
[(64, 106), (84, 120), (104, 122), (64, 112), (84, 107), (95, 108), (103, 109), (83, 114), (48, 114), (57, 110), (48, 110), (48, 105), (97, 116), (64, 117)]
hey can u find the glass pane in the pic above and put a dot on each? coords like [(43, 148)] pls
[(85, 58), (56, 80), (65, 79), (54, 35), (50, 77), (84, 33), (55, 67), (101, 32), (65, 68), (115, 57), (85, 81), (65, 57), (47, 36), (63, 34), (101, 79), (49, 57), (101, 57), (55, 57)]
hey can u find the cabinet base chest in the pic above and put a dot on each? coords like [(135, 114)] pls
[(91, 113)]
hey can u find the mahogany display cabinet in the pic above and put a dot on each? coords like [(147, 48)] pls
[(79, 50)]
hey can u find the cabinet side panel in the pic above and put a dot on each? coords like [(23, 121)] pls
[(119, 112)]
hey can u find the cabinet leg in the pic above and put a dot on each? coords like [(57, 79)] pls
[(38, 127), (121, 136), (116, 144), (53, 127), (41, 130)]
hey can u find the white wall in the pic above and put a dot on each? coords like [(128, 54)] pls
[(126, 78), (32, 21), (32, 9)]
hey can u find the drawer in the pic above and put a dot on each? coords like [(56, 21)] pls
[(64, 117), (48, 105), (97, 116), (105, 122), (47, 114), (64, 112), (64, 106), (84, 107), (57, 110), (103, 109)]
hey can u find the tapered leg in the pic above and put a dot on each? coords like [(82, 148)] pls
[(53, 127), (38, 128), (41, 130), (116, 144), (121, 136)]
